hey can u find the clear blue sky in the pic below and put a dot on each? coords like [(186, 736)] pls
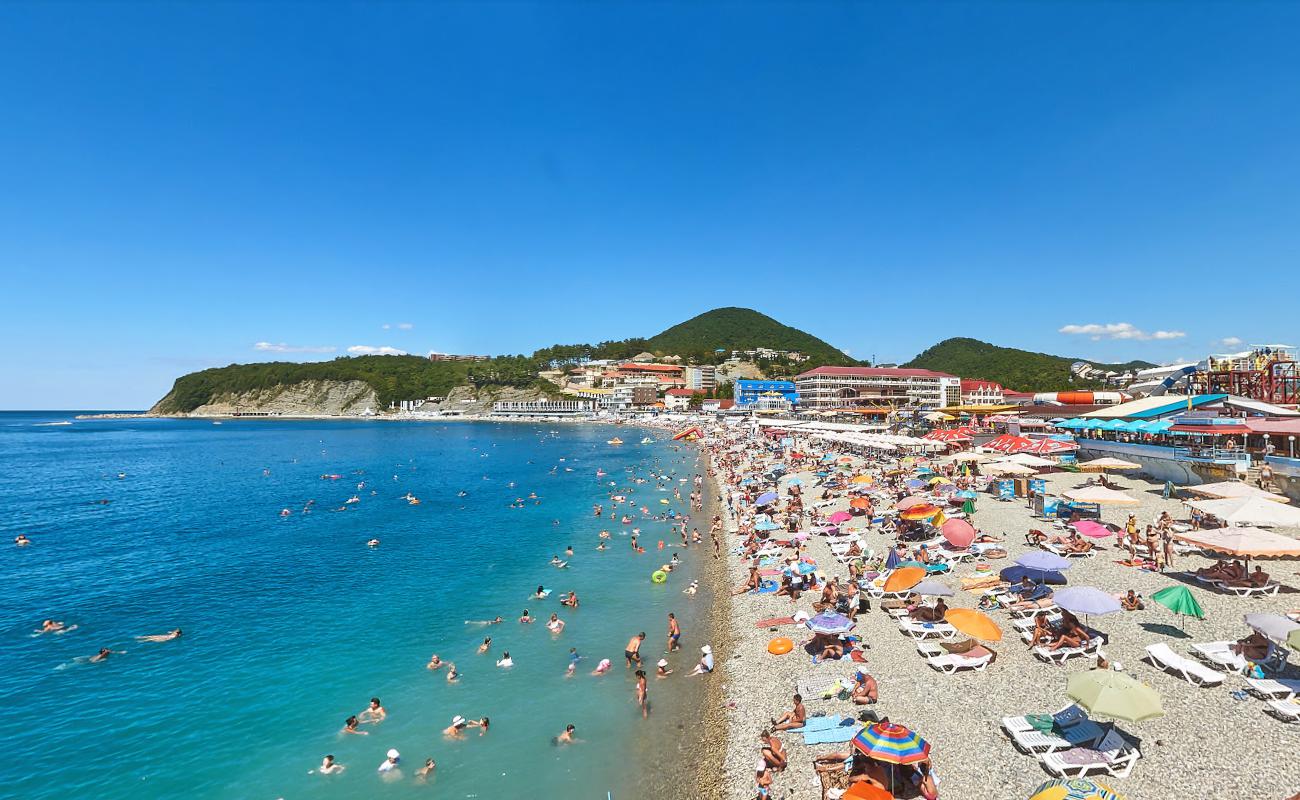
[(183, 181)]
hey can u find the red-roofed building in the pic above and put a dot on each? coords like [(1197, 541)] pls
[(718, 405), (876, 387), (976, 392), (677, 399), (1017, 398)]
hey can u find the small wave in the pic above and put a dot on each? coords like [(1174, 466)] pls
[(47, 424)]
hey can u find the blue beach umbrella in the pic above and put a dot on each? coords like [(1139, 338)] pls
[(1043, 561), (829, 622), (891, 560), (1086, 600), (796, 482), (766, 525), (1017, 573), (915, 484), (967, 494), (765, 498)]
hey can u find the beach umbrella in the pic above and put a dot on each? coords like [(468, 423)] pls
[(1103, 464), (859, 503), (891, 560), (1074, 789), (913, 483), (840, 516), (865, 791), (1101, 496), (904, 578), (891, 743), (860, 479), (958, 532), (909, 501), (1248, 542), (932, 588), (1274, 626), (968, 506), (1293, 640), (1250, 511), (829, 622), (1179, 599), (829, 530), (945, 488), (765, 498), (795, 482), (1226, 490), (1086, 600), (1114, 694), (1017, 573), (1041, 560), (974, 624), (1091, 529), (967, 494), (920, 512)]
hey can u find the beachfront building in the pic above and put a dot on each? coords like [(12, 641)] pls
[(876, 387), (717, 405), (543, 408), (678, 399), (748, 393), (702, 378), (976, 392)]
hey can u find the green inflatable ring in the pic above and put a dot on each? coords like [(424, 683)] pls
[(659, 576)]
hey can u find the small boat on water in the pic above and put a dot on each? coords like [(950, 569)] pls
[(647, 440), (615, 441)]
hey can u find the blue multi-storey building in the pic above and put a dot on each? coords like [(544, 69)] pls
[(749, 392)]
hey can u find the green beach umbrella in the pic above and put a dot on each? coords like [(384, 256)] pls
[(1293, 641), (1114, 694), (1180, 600)]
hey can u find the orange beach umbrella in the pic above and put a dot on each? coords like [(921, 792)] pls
[(924, 511), (904, 578), (974, 624)]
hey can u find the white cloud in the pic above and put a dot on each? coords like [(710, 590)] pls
[(1229, 341), (1118, 330), (367, 350), (281, 347), (401, 326)]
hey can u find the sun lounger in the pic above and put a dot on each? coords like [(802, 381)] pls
[(927, 630), (1112, 755), (1061, 655), (1071, 728), (1269, 589), (1030, 613), (1065, 553), (1191, 671), (1285, 710), (948, 663), (1274, 688), (1220, 654)]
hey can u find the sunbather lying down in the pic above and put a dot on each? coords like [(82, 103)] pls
[(1221, 570), (1256, 579)]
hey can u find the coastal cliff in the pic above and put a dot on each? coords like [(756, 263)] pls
[(314, 397)]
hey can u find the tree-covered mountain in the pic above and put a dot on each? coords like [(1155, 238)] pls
[(1019, 370), (742, 329)]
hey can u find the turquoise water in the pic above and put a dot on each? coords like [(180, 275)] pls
[(291, 624)]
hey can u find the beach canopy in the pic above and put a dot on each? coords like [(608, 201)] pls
[(1042, 560), (891, 743), (1228, 489), (1008, 443), (1250, 511), (971, 457), (1114, 694), (1006, 468), (962, 434), (958, 532), (1086, 600), (1091, 529), (829, 622), (1101, 496), (1026, 459), (1017, 573), (974, 624), (1247, 542), (1180, 600), (1106, 463), (932, 588), (904, 578), (1274, 626), (1072, 789)]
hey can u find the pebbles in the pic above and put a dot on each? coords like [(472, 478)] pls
[(1208, 744)]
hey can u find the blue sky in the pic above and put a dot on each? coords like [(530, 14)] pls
[(184, 181)]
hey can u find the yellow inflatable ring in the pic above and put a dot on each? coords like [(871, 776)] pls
[(659, 576), (780, 646)]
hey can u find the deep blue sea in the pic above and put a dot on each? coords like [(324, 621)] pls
[(292, 623)]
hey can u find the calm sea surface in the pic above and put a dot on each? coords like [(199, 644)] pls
[(292, 623)]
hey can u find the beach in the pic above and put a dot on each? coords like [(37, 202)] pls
[(1185, 752)]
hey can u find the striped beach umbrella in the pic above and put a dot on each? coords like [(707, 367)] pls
[(1074, 789), (891, 743), (920, 512)]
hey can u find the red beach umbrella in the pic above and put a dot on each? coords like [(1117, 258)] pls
[(958, 532)]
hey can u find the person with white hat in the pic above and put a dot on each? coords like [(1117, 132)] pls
[(457, 727), (389, 764), (706, 661), (662, 670)]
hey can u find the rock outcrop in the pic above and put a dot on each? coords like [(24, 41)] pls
[(335, 398)]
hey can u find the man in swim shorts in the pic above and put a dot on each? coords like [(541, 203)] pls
[(674, 634), (633, 651)]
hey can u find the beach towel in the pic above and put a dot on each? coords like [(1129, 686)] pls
[(767, 587), (813, 724), (773, 622), (840, 735)]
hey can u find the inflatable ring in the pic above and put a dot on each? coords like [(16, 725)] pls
[(658, 576), (780, 646)]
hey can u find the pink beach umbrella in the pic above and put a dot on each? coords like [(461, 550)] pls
[(958, 532), (1092, 529), (840, 516), (908, 502)]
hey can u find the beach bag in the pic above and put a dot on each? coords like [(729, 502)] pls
[(1254, 670)]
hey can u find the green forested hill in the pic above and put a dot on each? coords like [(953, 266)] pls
[(1019, 370), (742, 329)]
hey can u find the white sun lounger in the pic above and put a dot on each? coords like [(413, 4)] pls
[(1269, 589), (1221, 655), (1285, 710), (1274, 688), (1061, 551), (1193, 672), (1112, 755), (1073, 729), (927, 630), (948, 663), (1060, 656), (1030, 613)]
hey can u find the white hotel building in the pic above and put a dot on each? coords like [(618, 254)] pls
[(876, 387)]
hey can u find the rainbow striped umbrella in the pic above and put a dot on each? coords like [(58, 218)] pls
[(1074, 789), (891, 743)]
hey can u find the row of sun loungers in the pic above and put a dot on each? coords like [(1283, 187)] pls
[(1244, 588), (1074, 746)]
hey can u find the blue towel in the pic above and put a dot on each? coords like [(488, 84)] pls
[(819, 724), (839, 735)]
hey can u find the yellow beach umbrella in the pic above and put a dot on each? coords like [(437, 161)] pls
[(862, 479), (974, 624)]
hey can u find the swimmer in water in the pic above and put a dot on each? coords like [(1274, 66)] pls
[(505, 661), (541, 593), (602, 667), (103, 655), (350, 726), (494, 621), (525, 618), (328, 766), (600, 546), (422, 774), (434, 663), (487, 645), (374, 713), (692, 589), (662, 670), (53, 626), (22, 541), (456, 730), (482, 724), (452, 674), (160, 637), (372, 543), (555, 624), (568, 736), (568, 551)]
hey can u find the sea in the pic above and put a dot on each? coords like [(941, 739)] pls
[(292, 622)]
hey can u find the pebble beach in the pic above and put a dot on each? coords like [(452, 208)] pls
[(1211, 742)]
